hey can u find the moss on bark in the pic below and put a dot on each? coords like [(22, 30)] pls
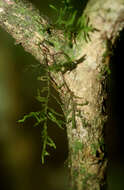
[(86, 83)]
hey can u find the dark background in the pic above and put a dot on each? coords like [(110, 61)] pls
[(115, 125), (20, 147)]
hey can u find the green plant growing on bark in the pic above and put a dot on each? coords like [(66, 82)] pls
[(46, 114), (73, 26)]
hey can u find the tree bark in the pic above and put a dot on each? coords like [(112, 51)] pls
[(84, 93)]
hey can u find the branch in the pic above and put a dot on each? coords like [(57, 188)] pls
[(25, 24), (30, 29)]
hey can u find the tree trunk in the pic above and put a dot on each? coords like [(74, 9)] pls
[(84, 93)]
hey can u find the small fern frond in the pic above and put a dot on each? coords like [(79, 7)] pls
[(46, 114)]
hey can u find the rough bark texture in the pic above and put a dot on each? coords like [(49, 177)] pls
[(84, 93), (88, 161)]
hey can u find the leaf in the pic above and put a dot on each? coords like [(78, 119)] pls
[(43, 78), (51, 143), (43, 156), (53, 7), (41, 99), (56, 113), (35, 114), (44, 89), (46, 153), (60, 19), (52, 117), (31, 114), (47, 141), (71, 20), (39, 120)]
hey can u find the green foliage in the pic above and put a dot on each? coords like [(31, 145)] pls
[(46, 114), (74, 25)]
